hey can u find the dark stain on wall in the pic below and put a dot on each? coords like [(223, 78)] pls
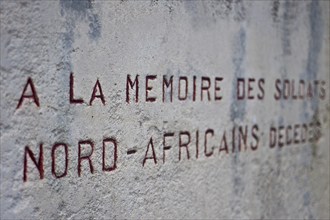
[(237, 114), (287, 22), (315, 45), (311, 74), (270, 186), (289, 16), (237, 108), (240, 11), (79, 6), (83, 10), (275, 10), (312, 66), (73, 12), (205, 13)]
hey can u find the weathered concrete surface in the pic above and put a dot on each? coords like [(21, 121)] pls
[(106, 41)]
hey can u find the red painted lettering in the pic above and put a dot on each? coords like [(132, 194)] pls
[(100, 96), (181, 144), (168, 84), (32, 96), (86, 157), (205, 87), (149, 88), (208, 154), (115, 156), (55, 146), (146, 157), (129, 83), (39, 164), (72, 99), (165, 146)]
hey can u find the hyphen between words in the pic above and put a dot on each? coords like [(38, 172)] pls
[(188, 143), (183, 145)]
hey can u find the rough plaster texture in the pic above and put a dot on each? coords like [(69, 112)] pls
[(107, 40)]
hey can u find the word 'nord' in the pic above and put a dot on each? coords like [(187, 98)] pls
[(60, 158)]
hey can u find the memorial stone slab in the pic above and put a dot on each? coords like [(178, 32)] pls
[(165, 109)]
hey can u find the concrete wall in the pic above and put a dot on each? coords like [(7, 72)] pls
[(245, 136)]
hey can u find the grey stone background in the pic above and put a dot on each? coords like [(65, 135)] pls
[(106, 40)]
